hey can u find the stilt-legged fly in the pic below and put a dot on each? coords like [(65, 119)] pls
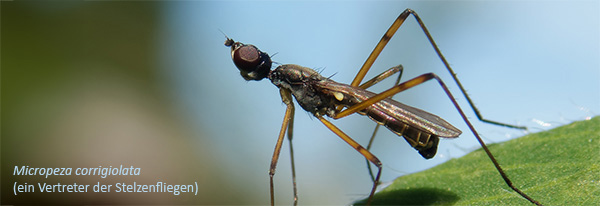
[(322, 97)]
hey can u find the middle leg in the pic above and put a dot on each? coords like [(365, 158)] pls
[(372, 158)]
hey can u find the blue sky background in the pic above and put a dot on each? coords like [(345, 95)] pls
[(531, 63)]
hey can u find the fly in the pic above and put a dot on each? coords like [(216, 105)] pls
[(322, 97)]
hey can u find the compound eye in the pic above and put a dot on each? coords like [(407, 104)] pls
[(252, 63), (246, 57)]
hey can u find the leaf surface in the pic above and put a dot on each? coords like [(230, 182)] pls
[(555, 167)]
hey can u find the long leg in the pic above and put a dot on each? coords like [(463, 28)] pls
[(286, 97), (369, 149), (387, 73), (397, 69), (386, 38), (358, 148), (290, 135), (419, 80)]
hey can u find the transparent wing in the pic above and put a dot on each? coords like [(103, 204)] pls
[(389, 111)]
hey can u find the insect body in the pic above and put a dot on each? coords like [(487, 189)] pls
[(322, 96)]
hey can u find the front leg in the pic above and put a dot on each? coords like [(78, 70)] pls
[(286, 97)]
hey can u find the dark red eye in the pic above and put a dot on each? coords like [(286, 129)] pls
[(246, 57), (252, 63)]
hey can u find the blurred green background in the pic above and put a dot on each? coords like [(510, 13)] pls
[(80, 88)]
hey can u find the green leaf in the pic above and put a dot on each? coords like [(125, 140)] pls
[(556, 167)]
